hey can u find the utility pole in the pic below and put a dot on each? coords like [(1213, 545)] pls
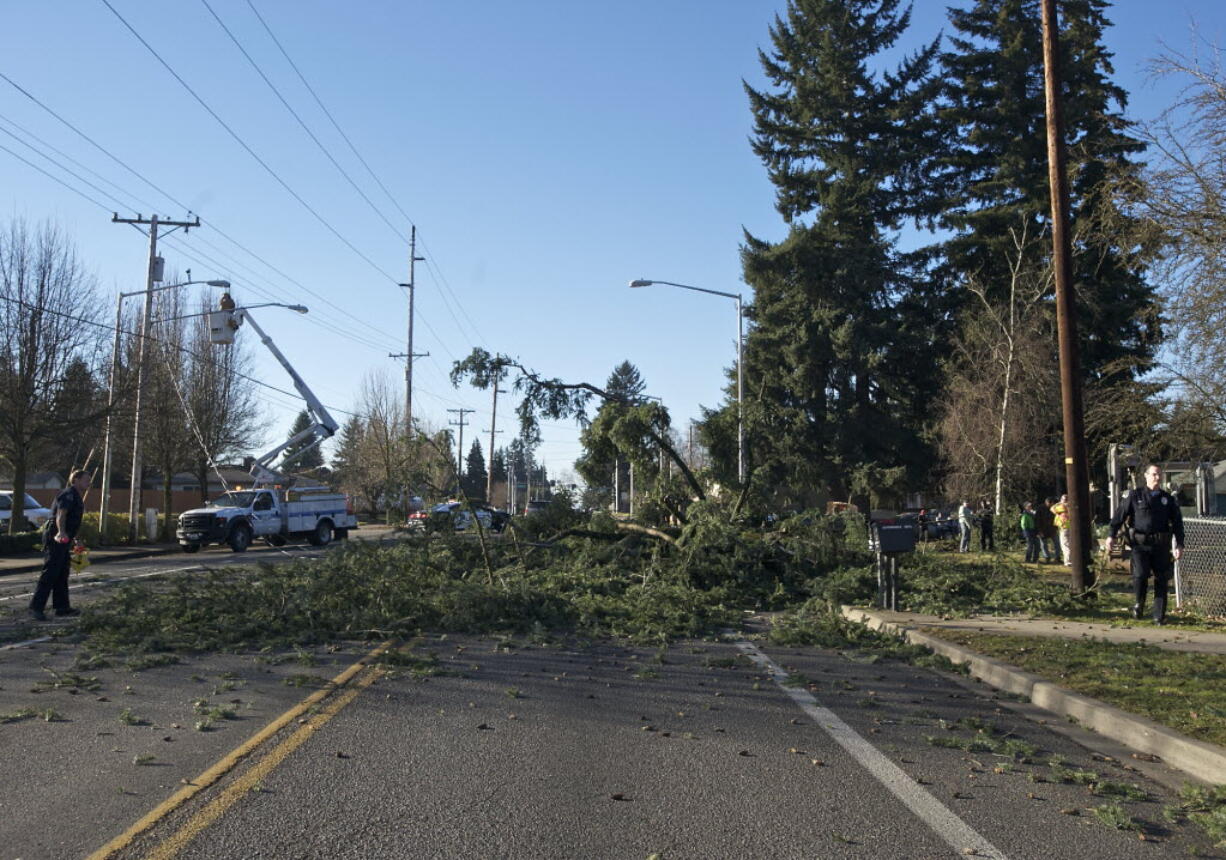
[(1075, 462), (153, 274), (489, 473), (617, 485), (460, 445), (409, 355)]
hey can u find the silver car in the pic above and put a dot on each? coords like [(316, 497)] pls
[(35, 513)]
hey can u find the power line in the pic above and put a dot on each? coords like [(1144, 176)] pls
[(300, 121), (239, 140), (55, 178), (153, 339), (435, 272), (68, 157), (327, 113), (165, 194)]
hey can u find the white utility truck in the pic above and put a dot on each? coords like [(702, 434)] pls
[(272, 509), (277, 516)]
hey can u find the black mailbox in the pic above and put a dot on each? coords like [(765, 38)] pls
[(892, 538)]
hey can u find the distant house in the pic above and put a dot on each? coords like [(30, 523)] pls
[(36, 481)]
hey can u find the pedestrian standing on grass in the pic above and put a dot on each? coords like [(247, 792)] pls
[(1045, 522), (1154, 522), (964, 526), (1029, 532), (987, 517), (66, 513), (1062, 521)]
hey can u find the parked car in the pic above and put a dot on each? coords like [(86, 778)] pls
[(35, 513), (459, 518), (535, 506)]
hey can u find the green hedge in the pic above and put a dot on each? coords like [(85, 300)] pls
[(20, 542), (116, 529)]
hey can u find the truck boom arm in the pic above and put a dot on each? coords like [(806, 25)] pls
[(322, 426)]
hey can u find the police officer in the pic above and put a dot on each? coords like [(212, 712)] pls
[(66, 515), (1153, 518)]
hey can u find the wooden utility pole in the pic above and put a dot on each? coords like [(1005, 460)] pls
[(489, 472), (409, 355), (460, 444), (1075, 466), (153, 274)]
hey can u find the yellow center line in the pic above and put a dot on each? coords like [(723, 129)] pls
[(233, 792), (226, 764)]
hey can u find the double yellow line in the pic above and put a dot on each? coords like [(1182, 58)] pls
[(231, 794)]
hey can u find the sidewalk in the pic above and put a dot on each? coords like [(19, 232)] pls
[(1204, 761), (1170, 637)]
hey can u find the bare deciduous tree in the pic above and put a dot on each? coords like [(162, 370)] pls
[(1188, 202), (47, 301), (1003, 386)]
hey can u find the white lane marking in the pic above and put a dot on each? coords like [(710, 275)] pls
[(957, 833), (24, 644)]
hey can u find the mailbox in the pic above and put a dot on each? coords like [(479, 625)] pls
[(892, 538)]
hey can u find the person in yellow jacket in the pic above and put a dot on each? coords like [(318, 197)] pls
[(1060, 512)]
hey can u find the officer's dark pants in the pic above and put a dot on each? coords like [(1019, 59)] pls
[(54, 581), (1155, 560), (987, 543)]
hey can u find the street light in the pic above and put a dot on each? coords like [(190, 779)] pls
[(740, 410), (110, 405)]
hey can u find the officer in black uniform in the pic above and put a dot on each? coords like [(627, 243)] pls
[(1153, 519), (66, 513)]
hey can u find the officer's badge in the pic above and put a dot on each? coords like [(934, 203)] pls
[(1164, 500)]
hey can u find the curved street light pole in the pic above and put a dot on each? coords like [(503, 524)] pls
[(740, 344)]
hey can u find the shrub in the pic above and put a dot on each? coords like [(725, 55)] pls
[(20, 542), (116, 529)]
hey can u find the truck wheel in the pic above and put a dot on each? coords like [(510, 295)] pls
[(190, 547), (240, 538), (322, 536)]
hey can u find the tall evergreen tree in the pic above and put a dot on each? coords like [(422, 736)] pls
[(600, 451), (313, 458), (498, 465), (475, 474), (838, 361), (995, 172)]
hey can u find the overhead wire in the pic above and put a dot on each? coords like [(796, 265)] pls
[(152, 338), (301, 123), (246, 147), (174, 241), (167, 195), (431, 265)]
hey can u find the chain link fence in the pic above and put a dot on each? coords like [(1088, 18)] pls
[(1200, 574)]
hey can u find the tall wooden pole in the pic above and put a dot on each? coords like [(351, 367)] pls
[(1075, 467)]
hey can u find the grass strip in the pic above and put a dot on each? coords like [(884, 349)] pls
[(1182, 690)]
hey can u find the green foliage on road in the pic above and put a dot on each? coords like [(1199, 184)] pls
[(1183, 690), (594, 580)]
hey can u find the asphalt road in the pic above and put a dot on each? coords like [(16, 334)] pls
[(531, 751), (705, 749)]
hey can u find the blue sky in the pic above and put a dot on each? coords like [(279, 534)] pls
[(548, 152)]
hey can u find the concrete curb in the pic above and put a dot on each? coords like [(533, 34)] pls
[(1204, 761)]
